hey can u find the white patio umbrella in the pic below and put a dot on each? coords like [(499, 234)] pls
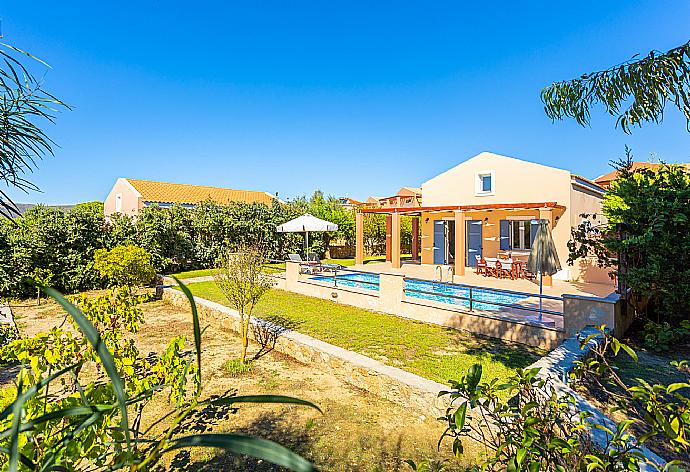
[(305, 224)]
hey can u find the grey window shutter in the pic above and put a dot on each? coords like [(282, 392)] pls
[(505, 235)]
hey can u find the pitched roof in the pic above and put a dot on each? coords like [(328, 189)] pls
[(409, 191), (349, 201), (165, 192), (635, 166), (374, 199), (607, 178)]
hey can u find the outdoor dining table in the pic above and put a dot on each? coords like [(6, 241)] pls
[(506, 264)]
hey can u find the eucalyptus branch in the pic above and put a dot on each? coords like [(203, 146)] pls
[(647, 84)]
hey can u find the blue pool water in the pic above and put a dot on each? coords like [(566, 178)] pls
[(371, 281)]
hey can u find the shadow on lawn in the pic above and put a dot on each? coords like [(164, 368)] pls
[(377, 454), (267, 329), (268, 425), (511, 355)]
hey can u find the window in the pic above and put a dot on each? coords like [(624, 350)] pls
[(118, 203), (485, 183), (521, 235)]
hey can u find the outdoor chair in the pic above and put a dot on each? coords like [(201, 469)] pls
[(516, 270), (304, 267), (481, 265), (507, 269), (499, 270), (493, 269)]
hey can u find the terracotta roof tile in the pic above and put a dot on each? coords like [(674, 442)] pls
[(606, 178), (164, 192)]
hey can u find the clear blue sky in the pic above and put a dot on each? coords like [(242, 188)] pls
[(356, 98)]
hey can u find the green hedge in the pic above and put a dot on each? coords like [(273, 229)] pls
[(177, 238)]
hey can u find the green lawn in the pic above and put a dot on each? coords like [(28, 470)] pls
[(190, 274), (427, 350), (367, 260)]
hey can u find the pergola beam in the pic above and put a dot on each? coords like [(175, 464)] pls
[(359, 238), (489, 206)]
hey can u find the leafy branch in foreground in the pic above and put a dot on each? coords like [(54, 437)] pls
[(526, 424), (23, 103), (648, 84), (79, 388)]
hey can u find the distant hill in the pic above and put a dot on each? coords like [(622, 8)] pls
[(24, 207)]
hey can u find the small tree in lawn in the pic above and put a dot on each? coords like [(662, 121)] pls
[(241, 278)]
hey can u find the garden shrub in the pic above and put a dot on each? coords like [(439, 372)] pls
[(8, 333), (125, 265), (661, 336), (41, 277), (178, 238)]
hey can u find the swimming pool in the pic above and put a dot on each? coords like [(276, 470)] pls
[(436, 291)]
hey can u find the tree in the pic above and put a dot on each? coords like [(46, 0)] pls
[(635, 91), (328, 208), (125, 265), (23, 106), (648, 222), (41, 277), (241, 278), (167, 234)]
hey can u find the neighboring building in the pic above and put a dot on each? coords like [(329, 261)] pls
[(129, 196), (373, 202), (606, 179), (405, 198), (349, 203), (490, 204)]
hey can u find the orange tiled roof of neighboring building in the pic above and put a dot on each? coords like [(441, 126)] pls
[(165, 192), (407, 191), (349, 201), (606, 179)]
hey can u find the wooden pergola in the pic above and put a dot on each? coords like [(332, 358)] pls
[(460, 211)]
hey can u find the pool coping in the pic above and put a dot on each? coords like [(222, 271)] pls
[(345, 288), (479, 313), (425, 302)]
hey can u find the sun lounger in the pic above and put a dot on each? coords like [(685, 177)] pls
[(313, 258), (294, 258)]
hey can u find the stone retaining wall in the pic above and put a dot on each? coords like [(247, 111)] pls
[(399, 386)]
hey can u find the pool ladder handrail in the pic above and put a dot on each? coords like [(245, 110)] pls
[(450, 273), (440, 273)]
